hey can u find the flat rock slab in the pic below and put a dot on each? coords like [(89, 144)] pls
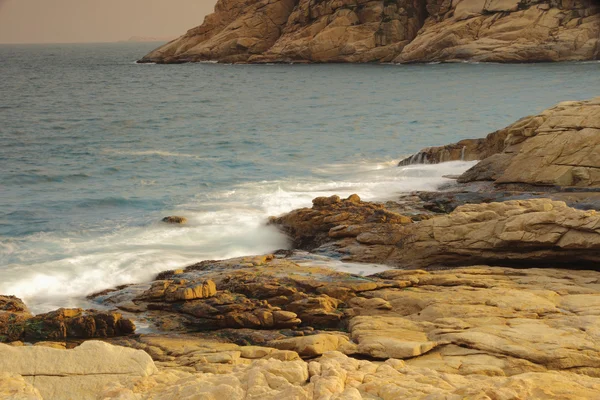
[(80, 373)]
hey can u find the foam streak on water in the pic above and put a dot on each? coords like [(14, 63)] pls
[(95, 150), (53, 270)]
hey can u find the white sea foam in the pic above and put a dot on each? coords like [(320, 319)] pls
[(149, 153), (57, 271)]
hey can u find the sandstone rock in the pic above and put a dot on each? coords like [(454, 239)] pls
[(526, 232), (564, 150), (495, 321), (260, 292), (314, 345), (226, 310), (338, 377), (516, 232), (180, 289), (463, 332), (381, 31), (389, 337), (332, 217), (345, 31), (321, 310), (79, 373), (508, 31)]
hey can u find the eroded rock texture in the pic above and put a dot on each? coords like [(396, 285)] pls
[(508, 31), (478, 332), (390, 30)]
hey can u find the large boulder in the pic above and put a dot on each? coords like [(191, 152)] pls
[(311, 227), (564, 150), (517, 232)]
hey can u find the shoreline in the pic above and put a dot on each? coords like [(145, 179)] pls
[(456, 314)]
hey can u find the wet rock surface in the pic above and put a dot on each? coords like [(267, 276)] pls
[(262, 292), (16, 323)]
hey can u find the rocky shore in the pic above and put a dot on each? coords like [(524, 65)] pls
[(487, 289), (400, 31)]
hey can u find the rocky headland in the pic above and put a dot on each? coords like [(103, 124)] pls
[(487, 289), (400, 31)]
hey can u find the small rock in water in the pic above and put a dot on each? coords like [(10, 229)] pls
[(173, 219)]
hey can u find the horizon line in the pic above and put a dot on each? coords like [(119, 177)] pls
[(92, 42)]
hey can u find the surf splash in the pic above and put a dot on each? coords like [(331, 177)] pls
[(50, 270)]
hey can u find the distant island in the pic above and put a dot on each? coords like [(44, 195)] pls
[(398, 31)]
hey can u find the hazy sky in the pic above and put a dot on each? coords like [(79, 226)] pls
[(55, 21)]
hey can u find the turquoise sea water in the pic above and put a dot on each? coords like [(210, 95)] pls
[(95, 149)]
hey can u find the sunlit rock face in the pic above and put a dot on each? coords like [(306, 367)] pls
[(403, 31), (472, 332)]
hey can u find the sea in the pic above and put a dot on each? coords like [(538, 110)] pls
[(96, 149)]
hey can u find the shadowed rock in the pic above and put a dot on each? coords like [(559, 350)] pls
[(62, 324)]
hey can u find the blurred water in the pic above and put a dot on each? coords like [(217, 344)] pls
[(95, 149)]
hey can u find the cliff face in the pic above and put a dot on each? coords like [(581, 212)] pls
[(509, 31), (390, 30)]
